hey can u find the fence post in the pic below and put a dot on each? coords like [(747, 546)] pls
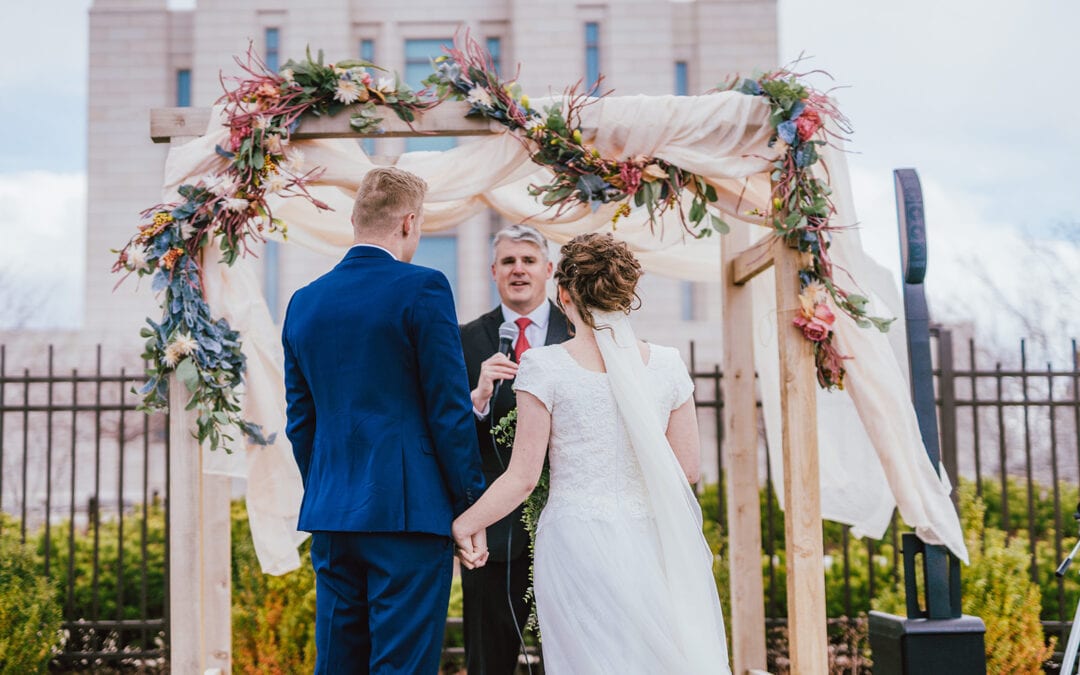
[(947, 410)]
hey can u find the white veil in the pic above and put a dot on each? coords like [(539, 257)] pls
[(685, 554)]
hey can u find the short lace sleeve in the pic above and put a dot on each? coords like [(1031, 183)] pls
[(679, 376), (534, 376)]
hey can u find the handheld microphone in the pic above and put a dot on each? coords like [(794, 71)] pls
[(508, 333)]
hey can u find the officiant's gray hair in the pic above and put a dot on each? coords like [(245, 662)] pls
[(519, 232)]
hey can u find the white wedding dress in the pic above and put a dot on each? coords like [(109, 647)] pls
[(604, 598)]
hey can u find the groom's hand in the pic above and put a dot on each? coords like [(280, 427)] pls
[(495, 368)]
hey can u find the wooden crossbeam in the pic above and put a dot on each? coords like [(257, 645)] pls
[(448, 119), (751, 262)]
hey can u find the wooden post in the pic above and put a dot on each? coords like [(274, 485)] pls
[(185, 538), (807, 639), (200, 550), (740, 457)]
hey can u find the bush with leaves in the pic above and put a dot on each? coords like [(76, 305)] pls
[(29, 610)]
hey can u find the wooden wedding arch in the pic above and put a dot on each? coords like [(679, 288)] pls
[(199, 526)]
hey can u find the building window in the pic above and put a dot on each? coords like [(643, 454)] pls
[(439, 253), (682, 83), (418, 57), (367, 53), (688, 301), (272, 254), (183, 87), (273, 49), (494, 47), (592, 56)]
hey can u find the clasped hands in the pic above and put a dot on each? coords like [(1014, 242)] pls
[(470, 548)]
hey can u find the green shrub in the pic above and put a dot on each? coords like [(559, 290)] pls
[(29, 611), (273, 617)]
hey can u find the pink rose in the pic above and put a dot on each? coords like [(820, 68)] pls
[(823, 314), (808, 123), (813, 329), (365, 79)]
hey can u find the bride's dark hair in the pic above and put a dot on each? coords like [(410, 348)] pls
[(600, 273)]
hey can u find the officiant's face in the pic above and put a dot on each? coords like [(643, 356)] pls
[(521, 272)]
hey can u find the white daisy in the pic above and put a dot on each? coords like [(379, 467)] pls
[(236, 204), (275, 184), (294, 161), (225, 185), (479, 96), (137, 259), (347, 91), (386, 84)]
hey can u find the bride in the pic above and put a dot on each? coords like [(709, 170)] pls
[(623, 575)]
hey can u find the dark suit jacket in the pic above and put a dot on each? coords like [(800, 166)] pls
[(480, 339), (379, 413)]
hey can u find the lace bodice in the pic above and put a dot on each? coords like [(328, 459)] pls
[(594, 472)]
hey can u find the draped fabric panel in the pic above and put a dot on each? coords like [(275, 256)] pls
[(872, 458)]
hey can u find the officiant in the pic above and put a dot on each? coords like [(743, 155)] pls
[(495, 609)]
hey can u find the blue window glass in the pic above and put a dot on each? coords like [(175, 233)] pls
[(183, 87), (418, 57), (272, 256), (272, 279), (688, 306), (682, 83), (367, 53), (592, 55), (494, 47), (439, 253), (273, 49)]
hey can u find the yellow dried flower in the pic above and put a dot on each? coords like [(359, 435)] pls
[(525, 101), (577, 136), (162, 217), (171, 256)]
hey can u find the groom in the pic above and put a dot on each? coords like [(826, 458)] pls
[(382, 429), (520, 268)]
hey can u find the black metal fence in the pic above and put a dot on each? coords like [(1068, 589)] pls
[(84, 476)]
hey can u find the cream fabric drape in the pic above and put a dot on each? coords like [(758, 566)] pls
[(872, 458)]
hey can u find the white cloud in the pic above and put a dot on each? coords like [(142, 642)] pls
[(42, 260)]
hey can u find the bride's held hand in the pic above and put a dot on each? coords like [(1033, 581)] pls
[(470, 548)]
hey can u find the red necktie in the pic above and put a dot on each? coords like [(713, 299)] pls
[(522, 342)]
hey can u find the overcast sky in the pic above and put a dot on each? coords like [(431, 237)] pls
[(977, 96)]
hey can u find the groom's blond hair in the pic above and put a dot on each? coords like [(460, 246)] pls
[(385, 196)]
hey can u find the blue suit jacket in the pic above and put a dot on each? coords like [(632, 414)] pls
[(379, 413)]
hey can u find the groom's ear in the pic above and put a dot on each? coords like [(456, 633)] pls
[(407, 225)]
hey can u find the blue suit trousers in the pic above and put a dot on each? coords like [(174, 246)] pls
[(381, 601)]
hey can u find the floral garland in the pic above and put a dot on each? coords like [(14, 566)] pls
[(800, 208), (230, 207), (581, 174)]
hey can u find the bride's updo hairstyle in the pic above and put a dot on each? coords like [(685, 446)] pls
[(600, 274)]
